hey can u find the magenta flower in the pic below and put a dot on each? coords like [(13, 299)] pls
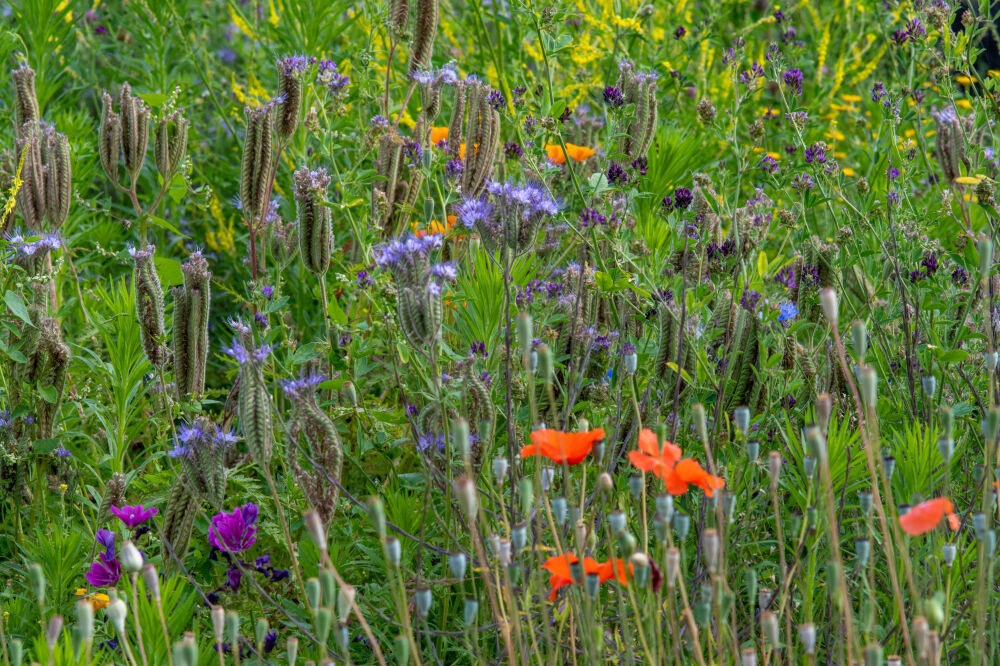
[(133, 515), (234, 532), (104, 572)]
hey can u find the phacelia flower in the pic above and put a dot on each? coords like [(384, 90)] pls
[(788, 312)]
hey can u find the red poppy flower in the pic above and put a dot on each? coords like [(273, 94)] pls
[(559, 567), (677, 473), (925, 516), (562, 447)]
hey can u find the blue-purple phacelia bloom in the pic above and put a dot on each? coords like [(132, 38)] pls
[(243, 356), (613, 97), (787, 312), (430, 442), (301, 386), (453, 168), (474, 211), (294, 64)]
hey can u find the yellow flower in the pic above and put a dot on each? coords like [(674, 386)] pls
[(968, 180), (98, 600), (848, 171), (964, 80), (963, 104), (850, 99)]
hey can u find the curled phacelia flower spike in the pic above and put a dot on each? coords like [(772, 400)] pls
[(254, 407), (178, 523), (134, 130), (170, 144), (25, 99), (45, 194), (290, 69), (109, 138), (397, 19), (325, 457), (315, 220), (149, 305), (201, 447), (424, 33), (256, 166), (192, 302)]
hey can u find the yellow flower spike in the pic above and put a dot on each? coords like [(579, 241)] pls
[(968, 180), (848, 171), (850, 98)]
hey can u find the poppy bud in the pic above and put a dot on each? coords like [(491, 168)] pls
[(16, 651), (824, 409), (774, 467), (559, 510), (673, 567), (979, 524), (769, 627), (345, 602), (37, 577), (929, 384), (469, 612), (545, 366), (859, 340), (499, 470), (527, 495), (260, 632), (946, 447), (605, 483), (809, 466), (682, 523), (130, 557), (828, 301), (422, 598), (710, 548), (741, 416), (350, 394), (617, 521), (807, 634), (946, 419), (631, 363), (116, 611), (313, 593), (660, 527), (393, 551)]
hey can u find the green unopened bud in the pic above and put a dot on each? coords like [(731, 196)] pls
[(324, 622), (710, 549), (345, 602), (328, 586), (152, 581), (314, 593), (828, 301), (457, 562), (605, 483), (741, 416), (946, 447), (460, 437), (469, 612), (350, 394), (117, 611), (377, 514), (635, 485), (700, 421), (868, 386), (525, 332), (233, 629), (402, 649), (130, 557), (859, 340), (37, 577), (929, 385), (527, 495), (985, 248), (393, 551), (428, 208), (292, 650), (422, 599), (53, 630)]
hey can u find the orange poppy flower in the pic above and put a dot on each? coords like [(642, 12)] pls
[(562, 447), (925, 516), (438, 134), (578, 153), (435, 227), (559, 567), (98, 600), (677, 473)]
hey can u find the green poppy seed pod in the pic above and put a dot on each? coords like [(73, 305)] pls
[(946, 419), (617, 521), (750, 583), (832, 575), (828, 302), (152, 581), (393, 551), (979, 524), (170, 144), (218, 616), (345, 602), (546, 367), (317, 530), (673, 566), (753, 450), (457, 563), (660, 527), (946, 447), (328, 587), (25, 98), (292, 650), (985, 248), (323, 622), (461, 438), (428, 208), (53, 630), (868, 385), (824, 410), (809, 466), (631, 363), (468, 499), (816, 443), (862, 549), (748, 657), (710, 549), (807, 636), (859, 340), (741, 416), (117, 611), (889, 465), (664, 506), (700, 421), (525, 330), (640, 568), (682, 523), (16, 651), (233, 628), (290, 96), (635, 485), (702, 613), (315, 220), (350, 394), (422, 600), (894, 660), (149, 305), (135, 130), (469, 612), (769, 627), (109, 138), (605, 484), (865, 502), (527, 495), (376, 511), (929, 384), (255, 167), (425, 30), (559, 507), (948, 553), (260, 631), (36, 576), (519, 538), (314, 594), (130, 557)]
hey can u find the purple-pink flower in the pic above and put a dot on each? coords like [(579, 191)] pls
[(133, 515), (104, 572), (234, 532)]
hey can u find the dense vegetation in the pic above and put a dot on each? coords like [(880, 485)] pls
[(445, 332)]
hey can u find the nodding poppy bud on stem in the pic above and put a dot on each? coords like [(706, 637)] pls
[(828, 301), (85, 620), (37, 577), (317, 531), (218, 615), (700, 421), (117, 611), (345, 602), (468, 499), (859, 340), (673, 567), (824, 409), (807, 634)]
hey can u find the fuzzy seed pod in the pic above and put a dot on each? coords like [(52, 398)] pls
[(258, 147), (426, 29), (390, 153), (192, 302), (114, 493), (255, 413), (315, 221), (948, 143), (149, 306), (310, 424), (134, 130), (202, 462), (32, 197), (109, 138), (25, 99), (290, 94), (51, 376), (178, 521), (457, 118), (398, 19), (170, 145), (58, 177)]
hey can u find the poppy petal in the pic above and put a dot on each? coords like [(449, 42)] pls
[(642, 461)]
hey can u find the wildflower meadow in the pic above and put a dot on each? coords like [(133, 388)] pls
[(532, 332)]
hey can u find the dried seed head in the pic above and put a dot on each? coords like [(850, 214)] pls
[(134, 130), (109, 138), (170, 145), (255, 171), (424, 34), (192, 303), (290, 94), (315, 220), (25, 99), (149, 305)]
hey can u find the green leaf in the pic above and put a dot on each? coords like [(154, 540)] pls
[(762, 265), (169, 270), (17, 307), (336, 313), (153, 99), (305, 352), (49, 394), (163, 224), (46, 445), (953, 356)]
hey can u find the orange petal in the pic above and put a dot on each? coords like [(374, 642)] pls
[(642, 461), (578, 153), (648, 444), (558, 565), (674, 484), (925, 516), (689, 471), (530, 450), (461, 151), (556, 153), (438, 134)]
